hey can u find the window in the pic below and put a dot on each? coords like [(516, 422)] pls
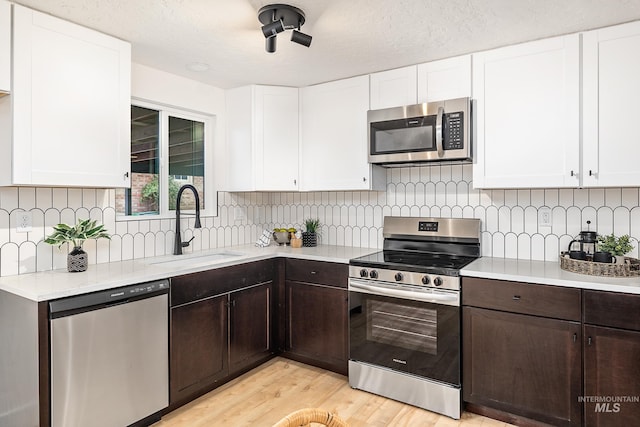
[(156, 177)]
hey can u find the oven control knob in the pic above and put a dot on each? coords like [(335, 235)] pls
[(364, 273), (398, 277), (425, 280), (373, 274), (437, 281)]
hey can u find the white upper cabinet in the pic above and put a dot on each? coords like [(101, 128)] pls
[(393, 88), (5, 46), (262, 138), (70, 106), (445, 79), (611, 79), (434, 81), (334, 138), (527, 108)]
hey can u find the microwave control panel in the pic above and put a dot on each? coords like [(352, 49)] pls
[(453, 134)]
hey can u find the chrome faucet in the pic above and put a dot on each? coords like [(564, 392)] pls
[(179, 244)]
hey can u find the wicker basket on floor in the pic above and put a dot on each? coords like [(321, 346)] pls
[(630, 268), (304, 418)]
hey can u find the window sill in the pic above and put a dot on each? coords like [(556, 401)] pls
[(189, 214)]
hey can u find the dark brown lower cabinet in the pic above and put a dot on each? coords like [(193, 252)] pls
[(316, 325), (612, 376), (611, 359), (221, 324), (199, 355), (218, 337), (314, 312), (524, 365), (250, 320)]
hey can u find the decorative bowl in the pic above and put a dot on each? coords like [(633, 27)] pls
[(281, 237)]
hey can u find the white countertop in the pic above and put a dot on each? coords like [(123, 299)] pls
[(546, 273), (54, 284)]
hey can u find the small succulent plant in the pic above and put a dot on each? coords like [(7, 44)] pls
[(312, 225), (615, 245)]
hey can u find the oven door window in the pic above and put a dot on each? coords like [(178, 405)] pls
[(419, 338), (412, 328), (403, 136)]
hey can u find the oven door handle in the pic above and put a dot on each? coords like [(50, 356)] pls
[(448, 299)]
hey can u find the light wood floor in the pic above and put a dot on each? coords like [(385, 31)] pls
[(264, 395)]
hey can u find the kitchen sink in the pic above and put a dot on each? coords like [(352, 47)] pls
[(193, 260)]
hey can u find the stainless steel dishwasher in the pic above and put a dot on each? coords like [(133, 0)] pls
[(109, 356)]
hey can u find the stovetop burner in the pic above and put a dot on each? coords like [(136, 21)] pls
[(421, 262), (432, 246)]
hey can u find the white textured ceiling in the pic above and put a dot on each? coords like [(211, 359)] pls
[(350, 37)]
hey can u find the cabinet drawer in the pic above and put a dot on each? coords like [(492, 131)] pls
[(525, 298), (324, 273), (612, 309), (204, 284)]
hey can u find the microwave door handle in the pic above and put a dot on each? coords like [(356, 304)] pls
[(439, 139)]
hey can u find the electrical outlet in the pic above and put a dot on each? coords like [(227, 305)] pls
[(239, 213), (24, 222), (259, 215), (544, 217)]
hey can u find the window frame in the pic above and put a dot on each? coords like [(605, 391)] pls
[(210, 190)]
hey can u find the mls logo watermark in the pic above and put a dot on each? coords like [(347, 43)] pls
[(609, 404), (607, 407)]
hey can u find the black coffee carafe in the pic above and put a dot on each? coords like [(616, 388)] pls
[(587, 245)]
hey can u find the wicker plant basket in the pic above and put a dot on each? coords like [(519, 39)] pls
[(630, 268)]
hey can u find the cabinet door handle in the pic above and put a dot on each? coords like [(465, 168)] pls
[(295, 182), (314, 272), (126, 175), (364, 179), (575, 337), (576, 174), (516, 297), (589, 341)]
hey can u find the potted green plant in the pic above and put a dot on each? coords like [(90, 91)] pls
[(310, 235), (85, 229), (616, 246)]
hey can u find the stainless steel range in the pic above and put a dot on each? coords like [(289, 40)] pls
[(404, 319)]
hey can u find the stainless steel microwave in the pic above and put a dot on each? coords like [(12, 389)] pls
[(429, 132)]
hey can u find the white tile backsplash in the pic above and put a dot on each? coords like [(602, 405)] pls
[(509, 217), (350, 218)]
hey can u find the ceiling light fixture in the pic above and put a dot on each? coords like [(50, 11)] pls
[(277, 18), (273, 28), (301, 38), (270, 44)]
